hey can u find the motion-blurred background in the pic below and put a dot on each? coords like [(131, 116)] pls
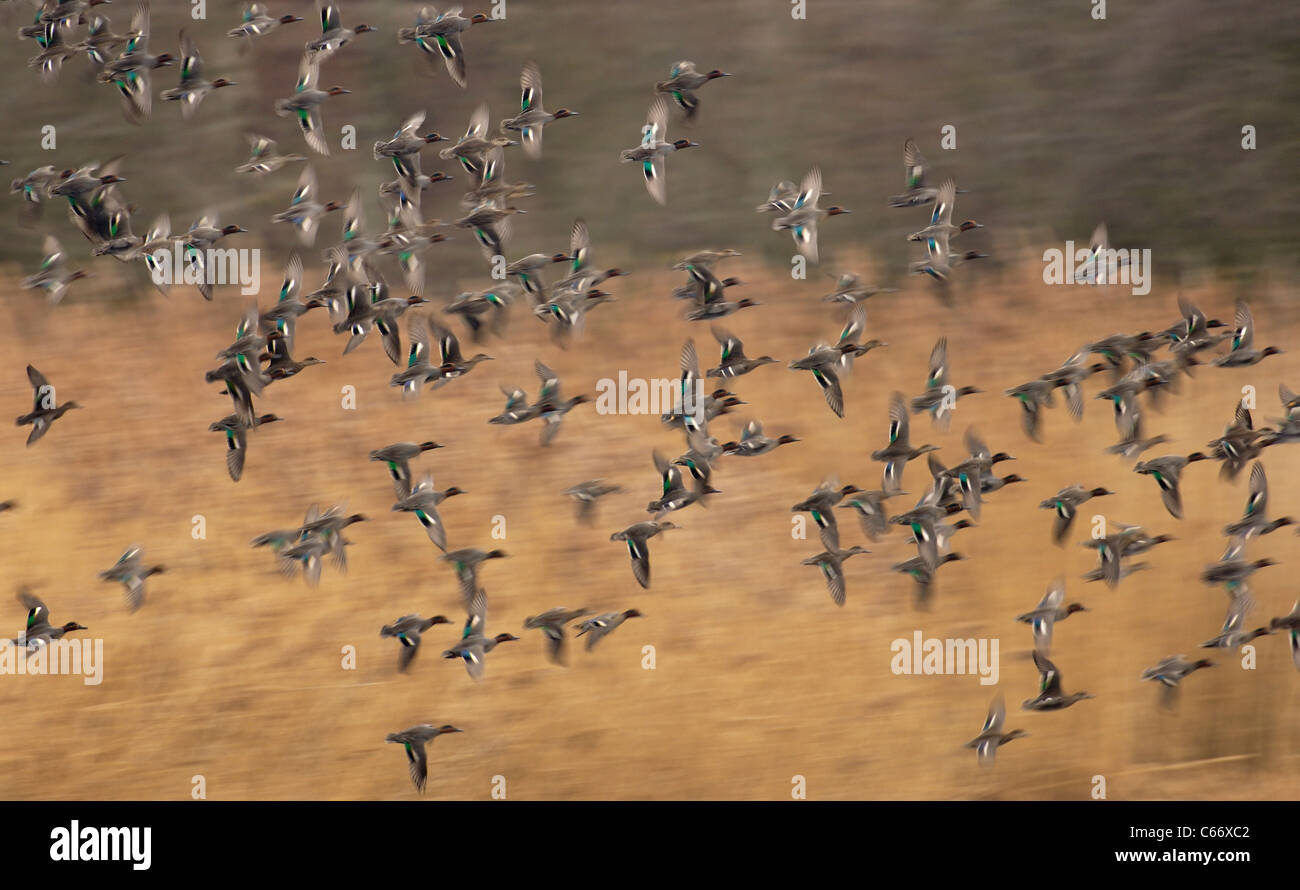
[(232, 673)]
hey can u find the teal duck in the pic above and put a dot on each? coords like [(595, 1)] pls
[(236, 432), (44, 409), (1050, 609), (900, 450), (1050, 696), (423, 501), (407, 629), (991, 736), (131, 573), (193, 86), (734, 362), (585, 494), (635, 536), (398, 457), (1290, 622), (414, 741), (551, 623), (257, 22), (532, 117), (1243, 352), (819, 505), (654, 150), (1065, 503), (804, 215), (831, 563), (38, 631), (1255, 520), (1171, 671), (682, 83), (597, 628)]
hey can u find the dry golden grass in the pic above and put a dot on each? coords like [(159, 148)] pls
[(232, 673)]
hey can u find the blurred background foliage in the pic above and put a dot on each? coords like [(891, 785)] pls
[(1061, 122)]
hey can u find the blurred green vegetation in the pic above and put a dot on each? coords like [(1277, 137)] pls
[(1062, 122)]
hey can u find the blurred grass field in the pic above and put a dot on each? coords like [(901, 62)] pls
[(233, 673)]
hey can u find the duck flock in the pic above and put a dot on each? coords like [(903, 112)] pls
[(1137, 371)]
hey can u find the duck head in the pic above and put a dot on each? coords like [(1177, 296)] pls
[(632, 613), (836, 210), (364, 29), (447, 728), (1075, 607), (429, 446), (746, 303), (338, 91), (1007, 480), (786, 440), (290, 19), (479, 18), (505, 638), (433, 137), (72, 625), (685, 143), (715, 73), (970, 224), (232, 230), (222, 82), (564, 112), (453, 491)]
